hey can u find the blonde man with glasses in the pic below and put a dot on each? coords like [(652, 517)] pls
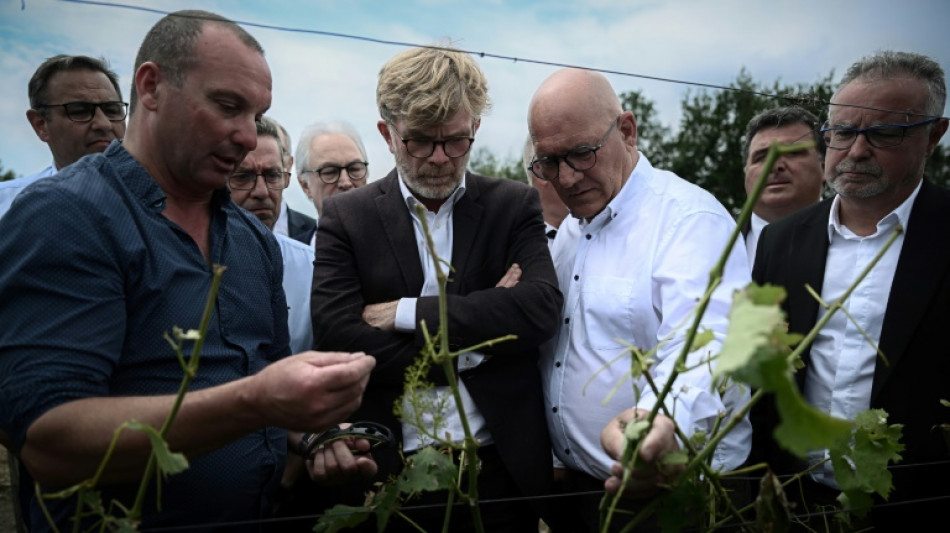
[(374, 283), (884, 121)]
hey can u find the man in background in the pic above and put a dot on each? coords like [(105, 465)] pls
[(552, 207), (796, 178), (291, 223), (331, 159), (76, 108)]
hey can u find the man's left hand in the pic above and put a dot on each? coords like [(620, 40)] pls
[(381, 316)]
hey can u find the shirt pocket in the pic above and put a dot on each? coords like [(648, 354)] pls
[(608, 311)]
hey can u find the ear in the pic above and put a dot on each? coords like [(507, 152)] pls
[(383, 128), (148, 81), (628, 127), (478, 122), (38, 121), (305, 185), (940, 127)]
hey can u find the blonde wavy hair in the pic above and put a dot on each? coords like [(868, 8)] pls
[(427, 86)]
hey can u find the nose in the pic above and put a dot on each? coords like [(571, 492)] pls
[(438, 154), (245, 134), (260, 188), (567, 177), (99, 120), (344, 183), (860, 148)]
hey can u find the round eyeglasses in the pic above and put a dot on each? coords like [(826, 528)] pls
[(85, 111), (330, 174), (452, 147), (579, 158)]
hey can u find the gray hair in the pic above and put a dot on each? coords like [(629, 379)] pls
[(171, 41), (317, 129), (38, 88), (782, 116), (889, 64)]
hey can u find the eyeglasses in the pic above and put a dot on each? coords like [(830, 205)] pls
[(579, 158), (85, 111), (330, 174), (422, 148), (243, 180), (878, 136)]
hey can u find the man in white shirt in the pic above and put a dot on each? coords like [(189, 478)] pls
[(552, 207), (76, 108), (258, 186), (330, 159), (796, 178), (632, 262), (883, 123)]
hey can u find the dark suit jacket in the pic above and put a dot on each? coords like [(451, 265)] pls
[(366, 253), (792, 253), (300, 227)]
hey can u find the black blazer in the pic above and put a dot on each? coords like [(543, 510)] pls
[(792, 252), (366, 253), (300, 226)]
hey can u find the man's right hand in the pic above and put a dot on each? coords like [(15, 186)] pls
[(511, 278), (310, 391)]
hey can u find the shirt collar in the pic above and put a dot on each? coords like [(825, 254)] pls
[(411, 200), (615, 207), (900, 215)]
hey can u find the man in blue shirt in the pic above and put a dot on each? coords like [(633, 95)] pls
[(114, 251)]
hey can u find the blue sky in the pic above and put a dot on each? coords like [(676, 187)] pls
[(320, 77)]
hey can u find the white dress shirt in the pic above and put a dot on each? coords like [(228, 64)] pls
[(11, 188), (298, 278), (281, 226), (838, 380), (756, 224), (633, 274), (441, 229)]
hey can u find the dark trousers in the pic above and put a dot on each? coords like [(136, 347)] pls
[(577, 506)]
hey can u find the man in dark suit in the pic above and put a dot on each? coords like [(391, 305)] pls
[(884, 121), (374, 283)]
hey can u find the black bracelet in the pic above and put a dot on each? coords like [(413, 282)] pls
[(377, 434)]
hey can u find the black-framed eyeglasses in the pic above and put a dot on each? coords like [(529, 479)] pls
[(330, 174), (878, 136), (579, 158), (422, 148), (274, 178), (85, 111)]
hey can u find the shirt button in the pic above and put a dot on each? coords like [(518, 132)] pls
[(588, 236), (557, 364), (576, 277), (567, 452), (567, 320), (554, 409)]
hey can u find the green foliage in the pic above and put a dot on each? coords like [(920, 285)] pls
[(6, 175), (860, 462), (707, 147), (937, 168), (484, 162), (169, 462)]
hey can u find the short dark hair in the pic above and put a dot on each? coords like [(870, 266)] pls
[(38, 88), (171, 41), (783, 116)]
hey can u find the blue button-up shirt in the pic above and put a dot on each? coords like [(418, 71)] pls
[(92, 274)]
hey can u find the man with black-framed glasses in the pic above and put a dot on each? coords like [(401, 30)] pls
[(76, 108), (632, 260), (330, 159), (375, 283), (884, 121)]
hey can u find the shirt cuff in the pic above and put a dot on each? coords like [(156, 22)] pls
[(406, 315)]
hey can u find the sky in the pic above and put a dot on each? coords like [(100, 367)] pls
[(325, 62)]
